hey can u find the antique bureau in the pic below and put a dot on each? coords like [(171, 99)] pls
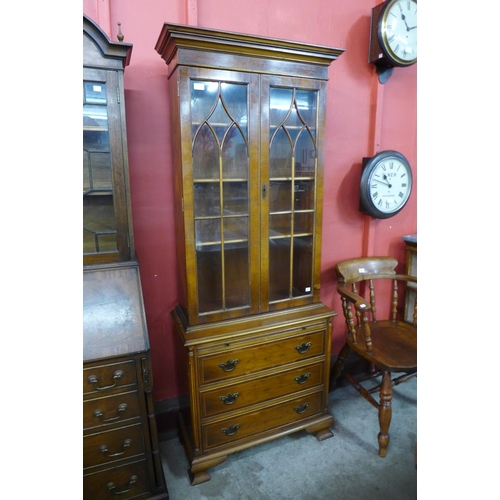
[(120, 444)]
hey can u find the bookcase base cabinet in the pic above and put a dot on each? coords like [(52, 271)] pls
[(252, 380)]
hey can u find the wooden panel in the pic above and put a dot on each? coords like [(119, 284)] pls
[(113, 312), (110, 410), (106, 378), (260, 357), (262, 420), (123, 482), (113, 445), (260, 389)]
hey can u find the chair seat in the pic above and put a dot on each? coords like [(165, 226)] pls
[(394, 345)]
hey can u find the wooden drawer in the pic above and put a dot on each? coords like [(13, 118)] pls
[(107, 378), (110, 409), (250, 424), (234, 362), (109, 446), (243, 394), (127, 481)]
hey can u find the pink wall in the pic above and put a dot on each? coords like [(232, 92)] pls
[(363, 117)]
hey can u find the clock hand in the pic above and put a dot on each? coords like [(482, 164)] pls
[(386, 183), (403, 17)]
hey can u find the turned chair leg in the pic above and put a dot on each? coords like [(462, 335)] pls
[(385, 413), (339, 366)]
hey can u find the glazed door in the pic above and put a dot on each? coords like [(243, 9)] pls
[(105, 225), (292, 131), (219, 117)]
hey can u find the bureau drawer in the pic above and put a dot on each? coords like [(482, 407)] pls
[(106, 378), (127, 481), (243, 394), (109, 446), (110, 409), (245, 360), (239, 427)]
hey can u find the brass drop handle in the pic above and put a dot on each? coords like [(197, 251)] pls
[(231, 430), (104, 449), (230, 398), (303, 378), (303, 348), (301, 408), (116, 376), (132, 481), (100, 414), (229, 365)]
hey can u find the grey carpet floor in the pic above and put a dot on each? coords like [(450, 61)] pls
[(346, 466)]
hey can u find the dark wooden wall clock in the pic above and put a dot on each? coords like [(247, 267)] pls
[(393, 36), (386, 183)]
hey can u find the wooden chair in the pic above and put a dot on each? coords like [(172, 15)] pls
[(389, 345)]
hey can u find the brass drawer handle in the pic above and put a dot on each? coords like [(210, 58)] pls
[(126, 444), (100, 414), (112, 487), (301, 408), (229, 365), (302, 379), (303, 348), (94, 380), (231, 430), (230, 398)]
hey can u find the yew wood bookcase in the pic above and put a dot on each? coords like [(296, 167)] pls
[(248, 119)]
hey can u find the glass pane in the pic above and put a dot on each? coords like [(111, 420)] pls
[(236, 266), (302, 265), (206, 154), (209, 264), (94, 93), (95, 127), (206, 199), (99, 223), (207, 232), (280, 155), (96, 172), (306, 104), (304, 195), (235, 99), (204, 97), (279, 270), (99, 227), (209, 270), (235, 198), (280, 225), (304, 223), (280, 103), (305, 155), (235, 155), (280, 196)]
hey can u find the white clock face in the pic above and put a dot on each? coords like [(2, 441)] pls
[(390, 185), (399, 31)]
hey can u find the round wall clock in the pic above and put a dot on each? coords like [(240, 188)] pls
[(393, 37), (386, 183)]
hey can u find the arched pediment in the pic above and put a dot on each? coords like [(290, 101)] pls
[(99, 50)]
